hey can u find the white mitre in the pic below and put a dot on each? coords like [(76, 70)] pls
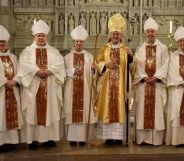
[(79, 33), (40, 27), (150, 23), (4, 34), (179, 34)]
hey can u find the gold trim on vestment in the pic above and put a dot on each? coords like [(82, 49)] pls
[(149, 91), (78, 89), (41, 96), (10, 100)]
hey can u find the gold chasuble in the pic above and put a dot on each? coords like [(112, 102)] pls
[(181, 71), (41, 96), (111, 99), (10, 100), (149, 97), (78, 89)]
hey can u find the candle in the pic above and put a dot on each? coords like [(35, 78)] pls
[(34, 21), (170, 26)]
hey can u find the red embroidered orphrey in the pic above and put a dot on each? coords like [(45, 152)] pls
[(10, 100), (41, 96), (149, 91), (78, 89), (181, 71), (114, 86)]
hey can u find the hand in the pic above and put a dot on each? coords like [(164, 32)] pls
[(41, 74), (129, 51), (78, 71), (10, 84), (112, 65), (181, 85), (47, 73), (150, 79), (44, 73), (93, 66)]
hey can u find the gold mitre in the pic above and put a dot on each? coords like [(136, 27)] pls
[(116, 23)]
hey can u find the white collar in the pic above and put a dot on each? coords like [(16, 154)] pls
[(115, 46), (5, 53)]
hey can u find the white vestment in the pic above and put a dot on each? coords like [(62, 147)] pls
[(8, 136), (175, 131), (152, 136), (27, 74), (77, 131)]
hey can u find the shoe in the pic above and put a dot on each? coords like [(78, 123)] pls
[(144, 144), (82, 143), (73, 143), (49, 143), (109, 142), (7, 148), (118, 142), (33, 145), (180, 145)]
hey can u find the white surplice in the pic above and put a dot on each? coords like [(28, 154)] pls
[(27, 74), (175, 131), (77, 132), (154, 136)]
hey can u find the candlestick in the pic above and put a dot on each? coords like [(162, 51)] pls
[(170, 36), (170, 26)]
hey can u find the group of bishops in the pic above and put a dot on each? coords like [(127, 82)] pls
[(42, 88)]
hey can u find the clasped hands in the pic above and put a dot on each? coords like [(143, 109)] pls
[(10, 84), (78, 71), (181, 85), (44, 73), (112, 64), (150, 79)]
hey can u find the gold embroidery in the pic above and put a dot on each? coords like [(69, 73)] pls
[(10, 100), (114, 86), (149, 96), (78, 89), (41, 96)]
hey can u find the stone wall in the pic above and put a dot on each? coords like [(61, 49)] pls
[(63, 15)]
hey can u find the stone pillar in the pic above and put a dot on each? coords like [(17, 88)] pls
[(76, 16), (97, 20), (56, 22), (140, 19), (131, 3), (4, 3), (25, 3), (156, 3), (66, 17), (87, 19)]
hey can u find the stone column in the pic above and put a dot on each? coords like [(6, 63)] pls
[(156, 3), (97, 21), (56, 22), (141, 38), (25, 3), (76, 16), (87, 19), (66, 17)]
